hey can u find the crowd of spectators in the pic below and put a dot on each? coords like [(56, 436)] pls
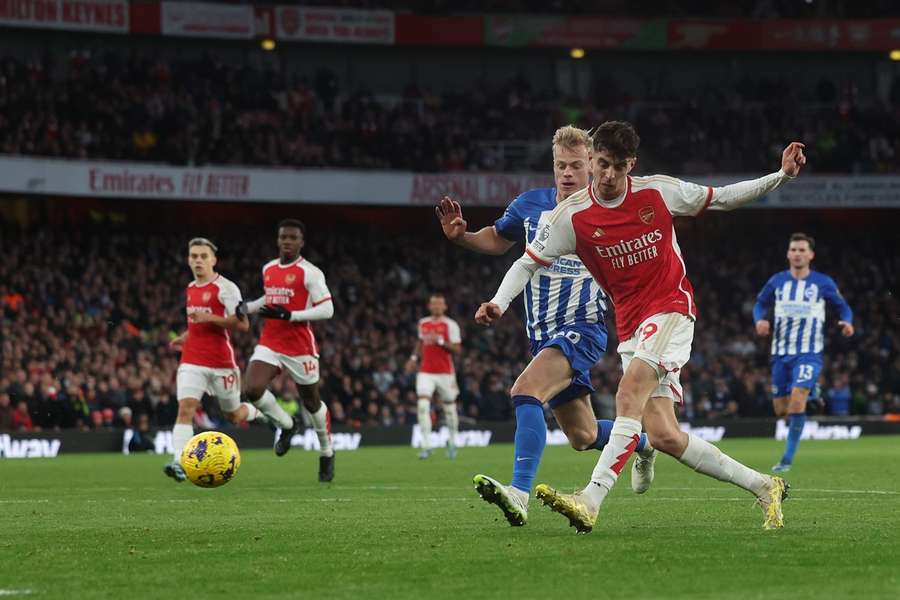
[(86, 317), (207, 110)]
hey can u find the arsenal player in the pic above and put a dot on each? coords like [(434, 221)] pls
[(214, 310), (295, 295), (438, 341), (621, 227)]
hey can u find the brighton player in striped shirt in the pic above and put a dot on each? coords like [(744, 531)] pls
[(565, 310), (798, 296), (214, 310), (621, 227)]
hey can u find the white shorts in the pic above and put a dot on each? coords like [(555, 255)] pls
[(192, 381), (304, 369), (664, 342), (445, 384)]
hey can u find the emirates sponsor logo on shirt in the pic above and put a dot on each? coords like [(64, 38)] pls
[(646, 214), (628, 253), (279, 295)]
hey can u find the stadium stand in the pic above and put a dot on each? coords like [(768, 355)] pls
[(87, 312), (209, 110)]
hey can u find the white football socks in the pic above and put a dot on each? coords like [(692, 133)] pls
[(180, 436), (452, 419), (319, 420), (270, 407), (623, 439), (424, 409), (705, 458)]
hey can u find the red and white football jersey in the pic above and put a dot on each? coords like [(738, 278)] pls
[(209, 345), (434, 358), (628, 245), (295, 286)]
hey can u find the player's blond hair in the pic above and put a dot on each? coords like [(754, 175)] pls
[(569, 136)]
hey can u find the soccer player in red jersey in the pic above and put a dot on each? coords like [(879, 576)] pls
[(295, 295), (438, 341), (622, 229), (214, 310)]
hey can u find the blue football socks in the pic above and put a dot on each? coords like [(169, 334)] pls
[(604, 428), (531, 437), (796, 421)]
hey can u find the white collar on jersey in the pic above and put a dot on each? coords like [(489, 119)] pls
[(298, 260), (201, 285), (615, 202)]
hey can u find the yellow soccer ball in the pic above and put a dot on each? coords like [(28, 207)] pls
[(210, 459)]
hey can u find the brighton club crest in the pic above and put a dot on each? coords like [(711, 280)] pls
[(207, 296), (290, 278), (646, 214)]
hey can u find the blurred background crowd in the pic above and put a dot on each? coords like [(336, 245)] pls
[(87, 313), (207, 109)]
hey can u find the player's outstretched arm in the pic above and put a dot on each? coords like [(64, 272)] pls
[(320, 312), (485, 241), (254, 306), (515, 280), (738, 194)]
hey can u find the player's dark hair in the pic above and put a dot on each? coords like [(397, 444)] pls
[(437, 295), (293, 223), (802, 237), (616, 137), (202, 241)]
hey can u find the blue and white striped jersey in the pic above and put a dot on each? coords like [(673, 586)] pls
[(564, 293), (799, 305)]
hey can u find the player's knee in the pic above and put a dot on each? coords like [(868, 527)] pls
[(526, 385), (252, 393), (312, 404), (581, 440)]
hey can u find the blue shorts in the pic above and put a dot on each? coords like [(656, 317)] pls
[(795, 371), (583, 345)]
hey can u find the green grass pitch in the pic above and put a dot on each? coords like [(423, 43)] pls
[(391, 526)]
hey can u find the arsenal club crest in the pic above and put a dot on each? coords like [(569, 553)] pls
[(290, 278), (207, 296), (646, 214)]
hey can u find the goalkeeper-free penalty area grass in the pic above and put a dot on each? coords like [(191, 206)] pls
[(392, 526)]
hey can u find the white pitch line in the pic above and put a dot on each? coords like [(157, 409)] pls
[(877, 492), (14, 592), (793, 490)]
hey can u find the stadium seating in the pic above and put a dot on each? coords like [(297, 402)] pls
[(87, 314)]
